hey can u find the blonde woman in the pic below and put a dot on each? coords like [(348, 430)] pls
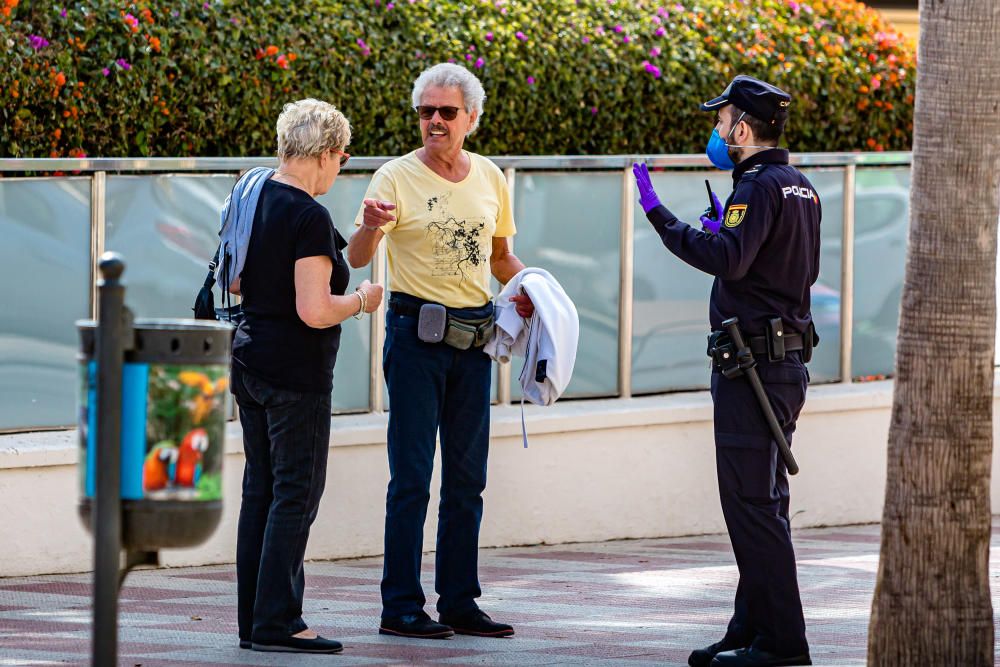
[(292, 283)]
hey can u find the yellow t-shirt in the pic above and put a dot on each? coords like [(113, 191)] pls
[(439, 247)]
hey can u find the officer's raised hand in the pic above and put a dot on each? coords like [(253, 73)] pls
[(711, 219), (647, 195)]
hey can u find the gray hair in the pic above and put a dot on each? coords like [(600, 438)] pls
[(308, 127), (448, 75)]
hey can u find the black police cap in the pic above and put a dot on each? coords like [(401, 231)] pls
[(758, 98)]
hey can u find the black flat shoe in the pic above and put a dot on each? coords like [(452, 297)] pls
[(754, 657), (299, 645), (702, 657), (477, 623), (417, 626)]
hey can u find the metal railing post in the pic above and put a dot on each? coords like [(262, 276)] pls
[(847, 277), (627, 253), (503, 370), (98, 225)]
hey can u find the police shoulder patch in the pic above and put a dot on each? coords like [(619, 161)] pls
[(735, 215)]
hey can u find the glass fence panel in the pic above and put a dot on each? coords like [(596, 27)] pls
[(829, 184), (45, 269), (568, 224), (351, 375), (881, 230), (167, 229), (670, 298)]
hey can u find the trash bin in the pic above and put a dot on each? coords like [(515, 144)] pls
[(175, 390)]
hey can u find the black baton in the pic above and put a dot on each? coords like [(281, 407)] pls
[(732, 326)]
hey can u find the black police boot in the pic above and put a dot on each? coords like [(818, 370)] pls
[(755, 657), (702, 657)]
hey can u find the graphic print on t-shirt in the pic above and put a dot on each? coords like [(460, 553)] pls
[(458, 244)]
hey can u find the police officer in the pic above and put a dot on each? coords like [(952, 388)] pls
[(763, 249)]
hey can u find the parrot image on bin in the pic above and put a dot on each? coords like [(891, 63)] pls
[(157, 470), (192, 449)]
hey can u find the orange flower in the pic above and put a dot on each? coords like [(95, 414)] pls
[(871, 143), (57, 133), (272, 50), (5, 11), (154, 42), (60, 79), (292, 57)]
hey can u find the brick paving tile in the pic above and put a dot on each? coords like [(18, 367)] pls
[(627, 603)]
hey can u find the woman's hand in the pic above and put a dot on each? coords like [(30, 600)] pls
[(373, 295)]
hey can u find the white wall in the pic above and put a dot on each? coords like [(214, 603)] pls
[(594, 470)]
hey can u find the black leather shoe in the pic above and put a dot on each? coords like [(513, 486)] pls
[(419, 626), (299, 645), (477, 623), (754, 657), (702, 657), (245, 643)]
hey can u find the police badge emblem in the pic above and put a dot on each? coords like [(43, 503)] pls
[(735, 215)]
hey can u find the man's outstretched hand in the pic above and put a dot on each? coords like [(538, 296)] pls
[(647, 195)]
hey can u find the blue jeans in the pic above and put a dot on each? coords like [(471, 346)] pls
[(432, 386), (286, 438)]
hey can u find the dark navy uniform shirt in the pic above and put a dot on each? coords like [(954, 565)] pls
[(766, 254)]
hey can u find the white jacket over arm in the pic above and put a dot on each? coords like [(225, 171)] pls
[(547, 341)]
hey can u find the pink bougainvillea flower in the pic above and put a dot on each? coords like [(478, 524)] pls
[(105, 71), (626, 39), (521, 36), (62, 12), (531, 80), (479, 63), (468, 56), (489, 37), (586, 40), (37, 42), (124, 64), (619, 28), (661, 31), (593, 111), (655, 51)]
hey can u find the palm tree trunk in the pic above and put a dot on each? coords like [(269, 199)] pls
[(932, 600)]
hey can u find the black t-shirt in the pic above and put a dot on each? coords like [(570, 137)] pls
[(272, 343)]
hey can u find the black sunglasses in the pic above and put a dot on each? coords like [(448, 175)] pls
[(427, 112), (344, 157)]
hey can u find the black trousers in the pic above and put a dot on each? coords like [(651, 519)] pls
[(753, 489), (286, 438)]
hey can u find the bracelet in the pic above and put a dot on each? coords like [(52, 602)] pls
[(363, 305), (369, 227)]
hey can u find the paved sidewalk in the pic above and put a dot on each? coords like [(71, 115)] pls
[(624, 603)]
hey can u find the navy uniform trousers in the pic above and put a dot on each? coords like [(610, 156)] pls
[(753, 488)]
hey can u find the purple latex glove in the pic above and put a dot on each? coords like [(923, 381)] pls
[(711, 220), (647, 195)]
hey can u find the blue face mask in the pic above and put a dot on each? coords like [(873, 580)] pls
[(718, 152)]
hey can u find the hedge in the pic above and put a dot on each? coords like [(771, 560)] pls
[(188, 77)]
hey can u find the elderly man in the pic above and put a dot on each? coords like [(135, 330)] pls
[(447, 215)]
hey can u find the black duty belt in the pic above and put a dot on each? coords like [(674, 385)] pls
[(793, 342)]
